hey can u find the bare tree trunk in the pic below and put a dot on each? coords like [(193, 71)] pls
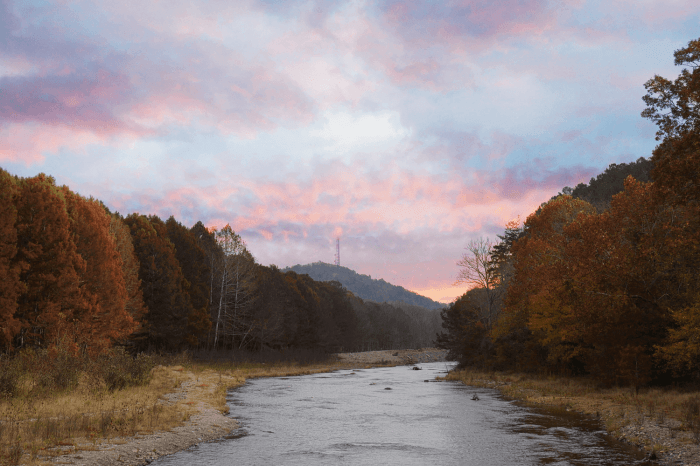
[(221, 304)]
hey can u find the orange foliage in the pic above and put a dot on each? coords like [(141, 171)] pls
[(10, 285), (109, 320), (53, 302)]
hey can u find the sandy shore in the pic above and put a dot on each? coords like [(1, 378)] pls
[(207, 423)]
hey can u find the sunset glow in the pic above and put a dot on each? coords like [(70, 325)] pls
[(405, 128)]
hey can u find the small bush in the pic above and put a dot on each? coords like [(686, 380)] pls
[(120, 370)]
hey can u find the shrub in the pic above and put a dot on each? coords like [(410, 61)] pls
[(120, 370)]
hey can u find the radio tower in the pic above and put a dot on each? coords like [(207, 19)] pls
[(337, 252)]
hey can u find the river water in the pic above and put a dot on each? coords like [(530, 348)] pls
[(392, 416)]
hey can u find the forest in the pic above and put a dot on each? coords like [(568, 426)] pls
[(603, 279), (75, 275)]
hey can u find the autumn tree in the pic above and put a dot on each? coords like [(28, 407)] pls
[(673, 106), (618, 287), (10, 285), (121, 236), (53, 304), (102, 276), (540, 262)]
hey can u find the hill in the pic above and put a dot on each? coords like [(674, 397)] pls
[(364, 286)]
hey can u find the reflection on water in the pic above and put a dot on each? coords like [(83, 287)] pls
[(349, 417)]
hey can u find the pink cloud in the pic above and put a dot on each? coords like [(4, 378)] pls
[(28, 143)]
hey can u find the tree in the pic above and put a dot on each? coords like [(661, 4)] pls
[(236, 290), (102, 275), (195, 268), (502, 256), (476, 270), (206, 239), (10, 285), (130, 266), (53, 304), (601, 189), (673, 106), (533, 299), (464, 336), (164, 286)]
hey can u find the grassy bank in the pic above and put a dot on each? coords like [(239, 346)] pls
[(673, 408), (53, 404)]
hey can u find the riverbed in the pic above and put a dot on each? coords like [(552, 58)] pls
[(398, 415)]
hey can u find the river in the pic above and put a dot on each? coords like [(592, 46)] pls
[(398, 416)]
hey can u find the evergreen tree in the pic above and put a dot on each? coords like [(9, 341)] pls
[(164, 287), (196, 270)]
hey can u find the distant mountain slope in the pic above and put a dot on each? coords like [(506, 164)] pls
[(364, 286)]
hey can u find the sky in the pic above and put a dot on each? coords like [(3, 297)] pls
[(404, 128)]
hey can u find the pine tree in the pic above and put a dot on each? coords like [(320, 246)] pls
[(164, 286), (195, 268)]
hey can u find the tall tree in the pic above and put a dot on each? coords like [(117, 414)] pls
[(540, 261), (673, 105), (102, 276), (10, 285), (236, 289), (206, 239), (196, 270), (53, 303), (477, 270), (164, 286), (130, 266), (464, 335)]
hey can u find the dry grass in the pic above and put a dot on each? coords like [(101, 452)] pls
[(75, 419), (616, 406), (35, 426)]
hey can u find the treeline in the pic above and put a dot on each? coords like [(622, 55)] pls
[(74, 273), (603, 283)]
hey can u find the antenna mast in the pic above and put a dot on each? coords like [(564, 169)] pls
[(337, 252)]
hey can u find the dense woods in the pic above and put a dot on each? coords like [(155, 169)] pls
[(603, 279), (75, 275)]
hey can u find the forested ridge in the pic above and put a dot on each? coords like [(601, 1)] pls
[(603, 279), (364, 286), (74, 274)]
